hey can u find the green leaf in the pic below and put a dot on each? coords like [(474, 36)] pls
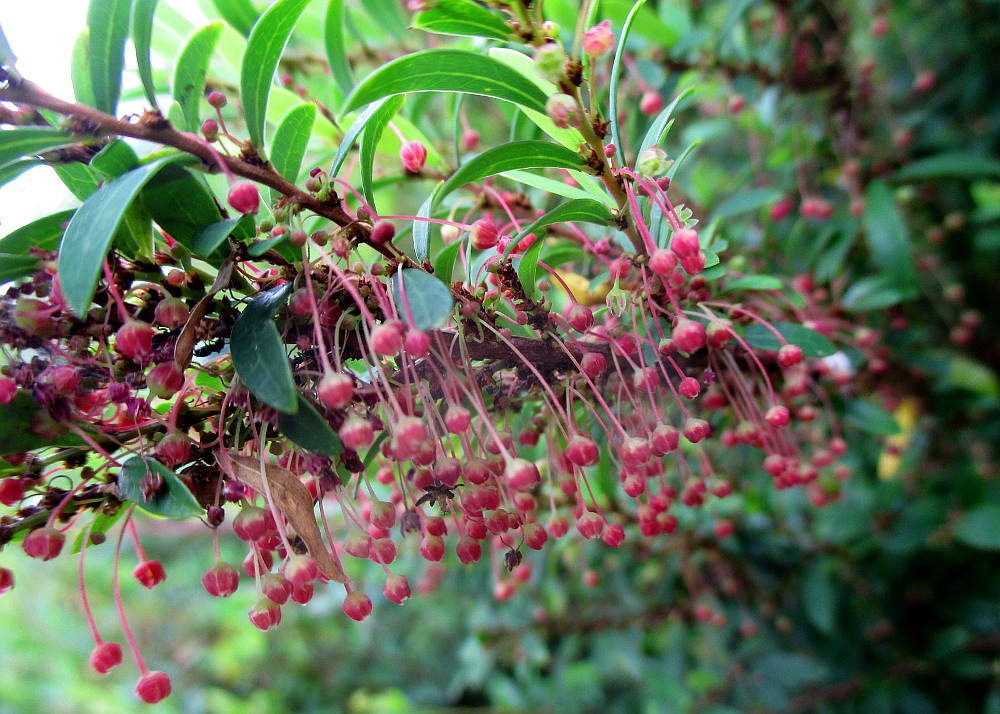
[(291, 138), (307, 428), (15, 425), (351, 135), (819, 598), (210, 238), (950, 165), (13, 169), (181, 204), (660, 127), (264, 48), (43, 233), (115, 159), (583, 210), (462, 17), (447, 71), (108, 24), (980, 527), (29, 141), (444, 261), (142, 35), (369, 141), (190, 71), (173, 500), (558, 253), (13, 266), (89, 235), (559, 188), (336, 50), (259, 354), (812, 343), (745, 202), (963, 373), (100, 524), (429, 300), (887, 239), (80, 179), (871, 417), (509, 157), (422, 229), (753, 282), (528, 268), (872, 293), (83, 87), (616, 68), (238, 14)]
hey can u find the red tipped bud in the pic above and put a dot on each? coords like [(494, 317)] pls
[(357, 605), (485, 234), (44, 543), (413, 154), (8, 390), (265, 615), (383, 232), (164, 380), (599, 39), (171, 313), (221, 580), (153, 687), (150, 573), (105, 657), (244, 197), (134, 339), (397, 589)]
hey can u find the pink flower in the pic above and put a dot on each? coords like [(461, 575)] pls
[(599, 39), (413, 155)]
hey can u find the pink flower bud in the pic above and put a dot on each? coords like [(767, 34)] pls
[(171, 313), (599, 39), (789, 355), (8, 390), (153, 687), (662, 262), (651, 103), (521, 474), (6, 580), (150, 573), (457, 419), (382, 232), (244, 197), (397, 589), (688, 336), (590, 525), (357, 605), (357, 433), (582, 451), (485, 234), (563, 112), (105, 657), (593, 365), (685, 243), (580, 317), (11, 490), (221, 580), (164, 380), (134, 340), (44, 543), (413, 154), (336, 390), (386, 340), (217, 99)]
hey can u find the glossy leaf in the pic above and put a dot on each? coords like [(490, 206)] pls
[(950, 165), (43, 233), (444, 261), (173, 500), (871, 293), (429, 300), (14, 266), (527, 270), (980, 527), (291, 138), (812, 343), (582, 210), (352, 134), (89, 235), (307, 428), (336, 50), (747, 201), (16, 427), (369, 141), (108, 23), (461, 17), (422, 229), (259, 354), (28, 141), (265, 45), (753, 282), (210, 238), (190, 71), (81, 180), (616, 68), (553, 186), (181, 204), (447, 71), (83, 87), (509, 157), (871, 417), (886, 235), (238, 14), (142, 35), (115, 159)]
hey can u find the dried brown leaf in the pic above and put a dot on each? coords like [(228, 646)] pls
[(184, 347), (292, 498)]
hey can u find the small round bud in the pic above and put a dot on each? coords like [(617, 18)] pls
[(217, 99), (153, 687)]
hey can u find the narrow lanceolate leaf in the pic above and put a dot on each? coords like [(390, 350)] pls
[(264, 47), (753, 282), (291, 138), (352, 134), (428, 299), (422, 229), (812, 343), (142, 35), (292, 498), (886, 235), (115, 159), (307, 428), (336, 50), (79, 70), (29, 141), (369, 141), (210, 238), (190, 71), (43, 233), (616, 68), (462, 17), (660, 127), (238, 14), (509, 157), (180, 203), (582, 210), (173, 500), (528, 268), (950, 165), (88, 236), (259, 355), (447, 71), (746, 202), (108, 23), (444, 261)]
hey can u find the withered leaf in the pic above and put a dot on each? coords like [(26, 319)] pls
[(292, 498), (184, 347)]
